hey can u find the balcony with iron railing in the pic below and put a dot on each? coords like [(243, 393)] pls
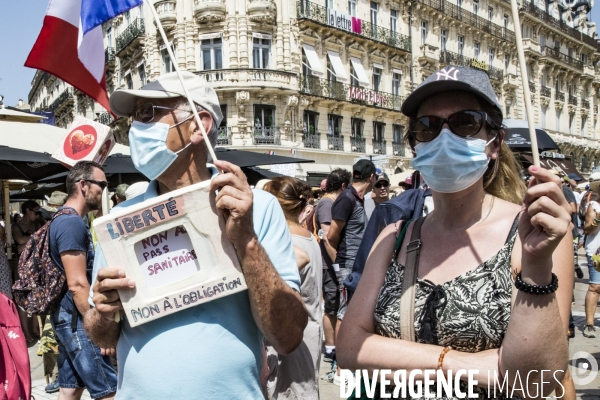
[(448, 57), (335, 142), (560, 96), (315, 86), (399, 149), (61, 100), (572, 100), (532, 87), (311, 140), (545, 91), (596, 109), (267, 135), (470, 19), (585, 104), (134, 31), (358, 145), (224, 135), (307, 10), (379, 147), (559, 25), (258, 77), (105, 118), (558, 56), (109, 55)]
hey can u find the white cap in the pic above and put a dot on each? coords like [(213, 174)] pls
[(595, 176), (135, 190)]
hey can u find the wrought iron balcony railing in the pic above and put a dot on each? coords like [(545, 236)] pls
[(560, 96), (596, 109), (399, 149), (379, 146), (572, 100), (545, 91), (105, 118), (558, 56), (316, 86), (585, 104), (109, 55), (335, 142), (312, 140), (317, 13), (224, 135), (470, 19), (132, 32), (269, 135), (358, 145), (532, 87), (65, 96), (557, 24), (448, 57)]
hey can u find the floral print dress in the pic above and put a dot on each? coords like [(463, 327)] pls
[(470, 313)]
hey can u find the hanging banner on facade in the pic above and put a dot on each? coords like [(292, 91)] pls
[(175, 249), (343, 21)]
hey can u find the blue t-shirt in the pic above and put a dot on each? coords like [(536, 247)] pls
[(68, 232), (212, 350)]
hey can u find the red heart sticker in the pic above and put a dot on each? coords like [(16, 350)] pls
[(80, 142)]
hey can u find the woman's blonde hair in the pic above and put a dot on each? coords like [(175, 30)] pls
[(502, 178)]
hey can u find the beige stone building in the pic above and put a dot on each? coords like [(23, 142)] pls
[(325, 79)]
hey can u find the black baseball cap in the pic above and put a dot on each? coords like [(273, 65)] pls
[(451, 78), (363, 169)]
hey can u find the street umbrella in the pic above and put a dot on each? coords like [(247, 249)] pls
[(27, 165), (243, 158), (518, 139), (39, 193)]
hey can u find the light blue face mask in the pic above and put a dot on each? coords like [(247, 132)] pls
[(149, 151), (450, 163)]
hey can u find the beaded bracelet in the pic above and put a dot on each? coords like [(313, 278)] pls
[(442, 354), (537, 289)]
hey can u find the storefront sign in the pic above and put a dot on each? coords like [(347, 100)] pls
[(175, 249), (343, 21), (482, 65)]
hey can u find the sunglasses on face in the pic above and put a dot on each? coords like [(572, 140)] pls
[(381, 184), (462, 123), (146, 112), (102, 184)]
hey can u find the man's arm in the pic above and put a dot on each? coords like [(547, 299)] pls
[(335, 232), (75, 262), (18, 237), (277, 309), (331, 252)]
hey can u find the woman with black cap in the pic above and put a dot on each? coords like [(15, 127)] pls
[(477, 279)]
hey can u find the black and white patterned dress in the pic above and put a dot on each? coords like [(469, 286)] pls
[(471, 314)]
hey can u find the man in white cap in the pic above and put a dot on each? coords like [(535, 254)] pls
[(212, 350)]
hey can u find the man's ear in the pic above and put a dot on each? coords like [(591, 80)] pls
[(207, 121)]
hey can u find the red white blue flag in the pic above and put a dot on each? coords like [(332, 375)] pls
[(70, 44)]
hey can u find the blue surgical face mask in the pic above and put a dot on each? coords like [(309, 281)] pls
[(149, 151), (450, 163)]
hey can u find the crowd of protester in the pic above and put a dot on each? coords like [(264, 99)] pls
[(332, 276)]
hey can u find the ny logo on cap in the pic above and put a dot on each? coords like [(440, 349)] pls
[(447, 74)]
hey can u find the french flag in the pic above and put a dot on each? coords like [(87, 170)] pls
[(70, 44)]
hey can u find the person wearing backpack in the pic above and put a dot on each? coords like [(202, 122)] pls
[(81, 364)]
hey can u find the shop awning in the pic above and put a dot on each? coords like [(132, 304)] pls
[(361, 75), (559, 164), (313, 60), (338, 66)]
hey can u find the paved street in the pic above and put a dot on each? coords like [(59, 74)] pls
[(329, 391)]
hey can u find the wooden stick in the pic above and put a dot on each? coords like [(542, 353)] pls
[(525, 82)]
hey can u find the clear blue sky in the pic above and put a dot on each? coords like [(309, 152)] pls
[(20, 23)]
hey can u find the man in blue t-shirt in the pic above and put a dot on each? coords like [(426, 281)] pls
[(81, 364), (212, 350)]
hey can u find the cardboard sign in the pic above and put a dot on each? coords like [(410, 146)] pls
[(86, 140), (175, 248)]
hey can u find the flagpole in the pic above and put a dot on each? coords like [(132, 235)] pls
[(525, 82), (187, 93)]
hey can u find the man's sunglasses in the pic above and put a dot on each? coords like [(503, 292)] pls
[(380, 184), (462, 123), (145, 113), (102, 184)]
